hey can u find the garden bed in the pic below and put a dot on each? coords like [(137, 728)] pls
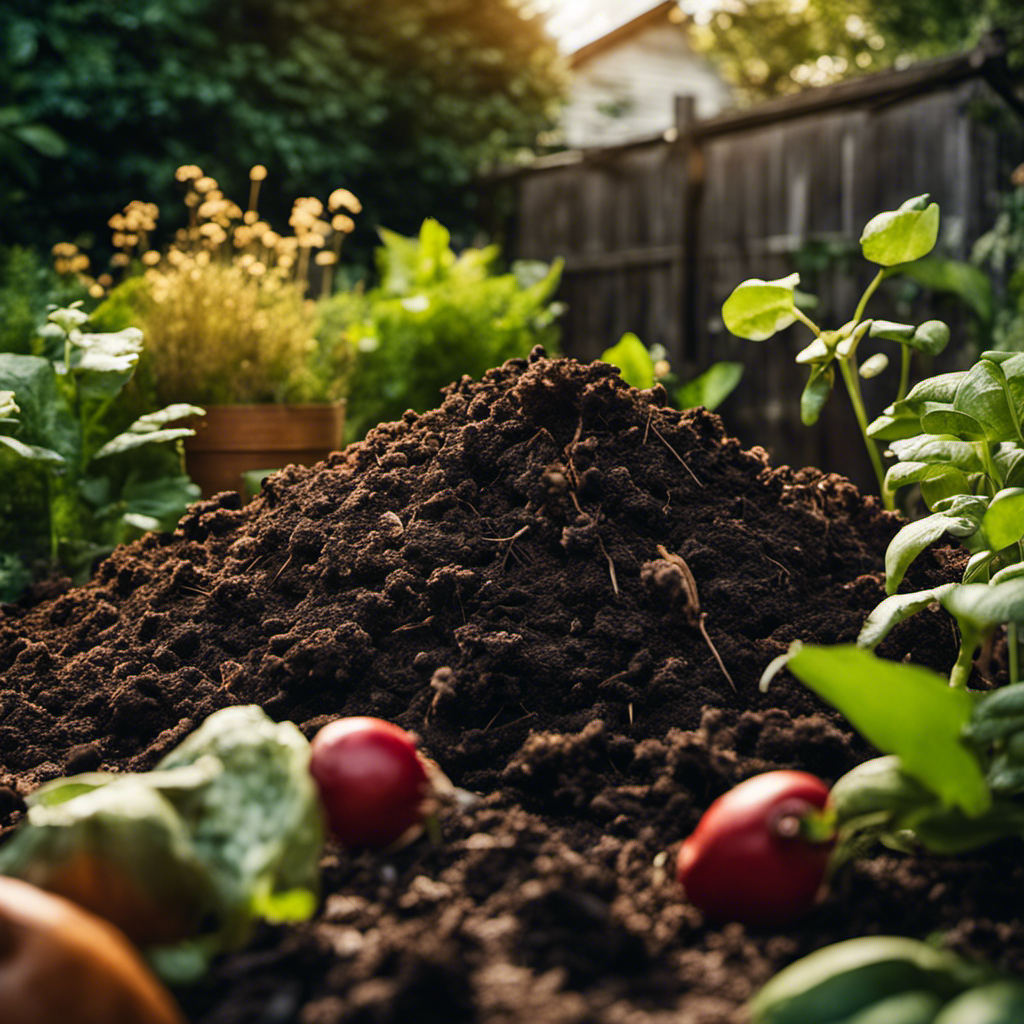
[(488, 575)]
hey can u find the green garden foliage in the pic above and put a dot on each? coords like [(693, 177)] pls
[(434, 317), (401, 101)]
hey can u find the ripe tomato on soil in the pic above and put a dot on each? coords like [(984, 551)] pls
[(750, 859), (372, 781)]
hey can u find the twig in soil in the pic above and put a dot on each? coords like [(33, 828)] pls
[(196, 590), (494, 719), (611, 566), (630, 712), (287, 562), (779, 564), (661, 437), (512, 540), (252, 565), (409, 626), (522, 718), (543, 430), (647, 429), (695, 615)]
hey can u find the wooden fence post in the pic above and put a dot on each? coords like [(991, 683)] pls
[(687, 150)]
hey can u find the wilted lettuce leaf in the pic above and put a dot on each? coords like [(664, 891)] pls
[(186, 858)]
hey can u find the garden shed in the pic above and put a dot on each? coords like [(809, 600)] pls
[(656, 232)]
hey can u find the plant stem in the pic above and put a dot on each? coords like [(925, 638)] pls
[(868, 292), (849, 373), (807, 321), (964, 661), (905, 356)]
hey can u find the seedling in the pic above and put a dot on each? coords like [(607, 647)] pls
[(757, 310), (53, 414), (959, 437)]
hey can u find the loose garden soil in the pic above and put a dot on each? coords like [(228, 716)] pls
[(493, 576)]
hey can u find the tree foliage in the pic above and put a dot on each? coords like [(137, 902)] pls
[(770, 48), (399, 100)]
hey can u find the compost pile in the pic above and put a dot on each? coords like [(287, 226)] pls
[(497, 576)]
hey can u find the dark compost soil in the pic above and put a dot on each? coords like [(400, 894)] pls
[(488, 575)]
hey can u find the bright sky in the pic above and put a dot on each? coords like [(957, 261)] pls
[(574, 23)]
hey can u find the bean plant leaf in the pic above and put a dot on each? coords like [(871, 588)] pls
[(630, 355), (983, 394), (916, 536), (931, 337), (758, 309), (942, 449), (1009, 572), (894, 426), (1003, 523), (893, 610), (874, 365), (902, 235), (901, 709), (939, 418), (815, 395), (1009, 460), (983, 606)]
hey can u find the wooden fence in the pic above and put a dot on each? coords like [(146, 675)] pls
[(655, 234)]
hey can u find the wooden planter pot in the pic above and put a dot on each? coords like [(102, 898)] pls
[(234, 439)]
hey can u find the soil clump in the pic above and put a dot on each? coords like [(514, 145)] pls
[(497, 575)]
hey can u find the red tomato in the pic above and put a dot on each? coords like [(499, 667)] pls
[(748, 859), (372, 782)]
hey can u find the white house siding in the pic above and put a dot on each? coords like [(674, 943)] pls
[(626, 91)]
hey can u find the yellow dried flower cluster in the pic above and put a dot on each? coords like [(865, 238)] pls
[(225, 314)]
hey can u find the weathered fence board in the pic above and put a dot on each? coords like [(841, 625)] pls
[(657, 233)]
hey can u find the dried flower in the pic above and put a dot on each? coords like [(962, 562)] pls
[(342, 198)]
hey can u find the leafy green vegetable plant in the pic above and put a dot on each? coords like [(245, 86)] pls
[(642, 367), (759, 309), (186, 858), (434, 317), (98, 491), (952, 771), (960, 438)]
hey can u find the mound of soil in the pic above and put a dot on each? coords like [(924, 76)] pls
[(501, 576)]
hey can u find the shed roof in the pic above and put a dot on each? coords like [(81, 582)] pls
[(659, 12)]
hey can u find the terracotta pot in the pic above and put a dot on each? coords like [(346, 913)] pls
[(234, 439)]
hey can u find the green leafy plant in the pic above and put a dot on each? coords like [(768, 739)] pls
[(434, 316), (951, 771), (96, 490), (642, 367), (226, 830), (960, 438), (757, 310)]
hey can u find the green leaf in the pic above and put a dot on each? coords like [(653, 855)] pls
[(129, 440), (8, 407), (1003, 523), (904, 710), (1009, 572), (969, 283), (43, 140), (983, 606), (916, 536), (47, 420), (874, 365), (711, 388), (984, 395), (758, 309), (903, 235), (33, 453), (893, 610), (815, 395), (893, 426), (942, 419), (941, 449), (630, 355)]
